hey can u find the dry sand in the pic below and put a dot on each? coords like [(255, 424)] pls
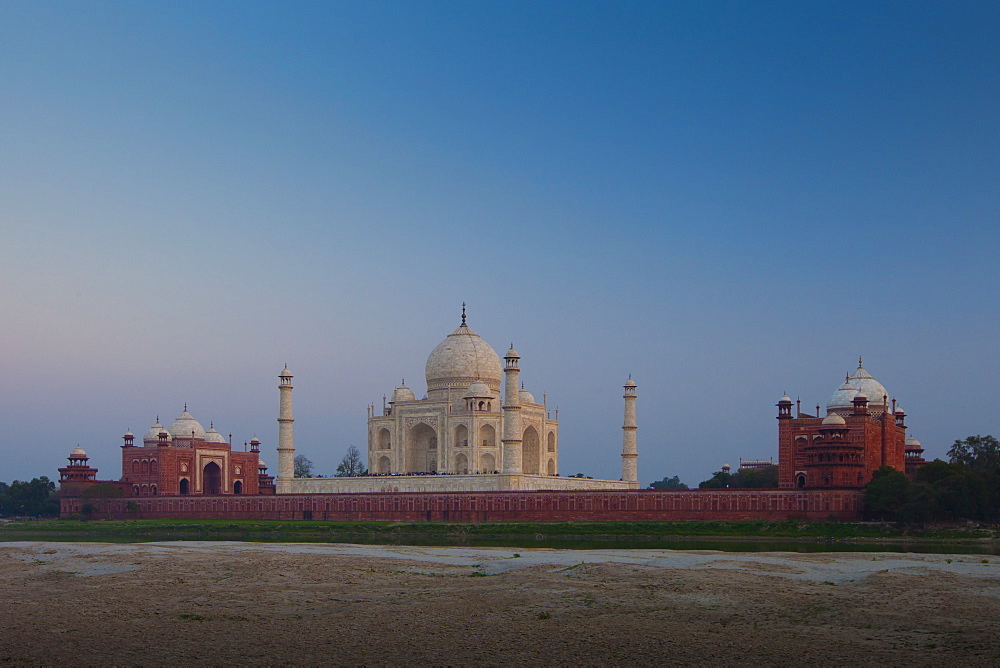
[(247, 603)]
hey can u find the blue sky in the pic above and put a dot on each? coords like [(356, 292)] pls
[(727, 200)]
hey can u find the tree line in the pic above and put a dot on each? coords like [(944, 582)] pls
[(34, 498), (966, 487)]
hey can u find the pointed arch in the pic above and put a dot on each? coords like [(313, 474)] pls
[(530, 451)]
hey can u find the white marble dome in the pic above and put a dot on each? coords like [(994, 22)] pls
[(77, 453), (478, 390), (912, 443), (154, 433), (403, 393), (858, 382), (185, 425), (212, 436), (834, 420), (525, 396), (461, 358)]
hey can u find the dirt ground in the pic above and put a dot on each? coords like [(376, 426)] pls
[(298, 604)]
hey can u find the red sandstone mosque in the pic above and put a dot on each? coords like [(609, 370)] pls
[(860, 433)]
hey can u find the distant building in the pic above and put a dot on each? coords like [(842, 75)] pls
[(754, 464), (860, 433)]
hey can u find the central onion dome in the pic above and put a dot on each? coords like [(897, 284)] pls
[(460, 360), (858, 382), (184, 425)]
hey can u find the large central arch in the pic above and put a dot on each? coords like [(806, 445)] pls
[(421, 449), (213, 478)]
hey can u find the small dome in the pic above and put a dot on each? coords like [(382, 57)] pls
[(255, 440), (403, 393), (154, 433), (860, 395), (912, 443), (899, 409), (726, 467), (128, 434), (478, 390), (185, 425), (525, 397), (834, 420), (261, 464), (212, 436), (285, 373), (785, 399), (630, 382), (512, 353), (77, 453)]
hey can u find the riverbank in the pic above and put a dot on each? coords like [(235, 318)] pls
[(729, 536), (255, 604)]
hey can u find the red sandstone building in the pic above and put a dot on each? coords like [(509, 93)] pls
[(861, 432), (180, 460), (185, 459)]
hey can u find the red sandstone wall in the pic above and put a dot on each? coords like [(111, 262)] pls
[(505, 506)]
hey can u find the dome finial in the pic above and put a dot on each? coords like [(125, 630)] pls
[(185, 406), (860, 364), (463, 313)]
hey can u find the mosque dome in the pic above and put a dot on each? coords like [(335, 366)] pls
[(255, 441), (261, 464), (154, 432), (785, 399), (212, 436), (285, 373), (478, 390), (834, 420), (630, 382), (184, 425), (912, 443), (525, 396), (77, 453), (403, 393), (463, 357), (858, 382)]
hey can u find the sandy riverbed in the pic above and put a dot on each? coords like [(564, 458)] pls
[(249, 603)]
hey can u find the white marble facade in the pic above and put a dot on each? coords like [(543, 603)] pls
[(457, 426), (455, 437)]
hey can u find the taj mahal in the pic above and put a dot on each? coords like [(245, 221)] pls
[(462, 435)]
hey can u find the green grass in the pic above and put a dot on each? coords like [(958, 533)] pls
[(323, 530)]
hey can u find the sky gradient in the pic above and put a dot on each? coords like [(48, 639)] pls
[(727, 200)]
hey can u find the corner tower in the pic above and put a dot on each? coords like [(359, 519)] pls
[(630, 471), (511, 413), (286, 438)]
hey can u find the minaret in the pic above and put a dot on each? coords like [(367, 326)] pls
[(511, 414), (629, 454), (286, 439)]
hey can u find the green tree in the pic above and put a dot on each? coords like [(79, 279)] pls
[(719, 479), (668, 483), (351, 464), (765, 478), (978, 453), (34, 498), (303, 467), (886, 493), (101, 494)]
